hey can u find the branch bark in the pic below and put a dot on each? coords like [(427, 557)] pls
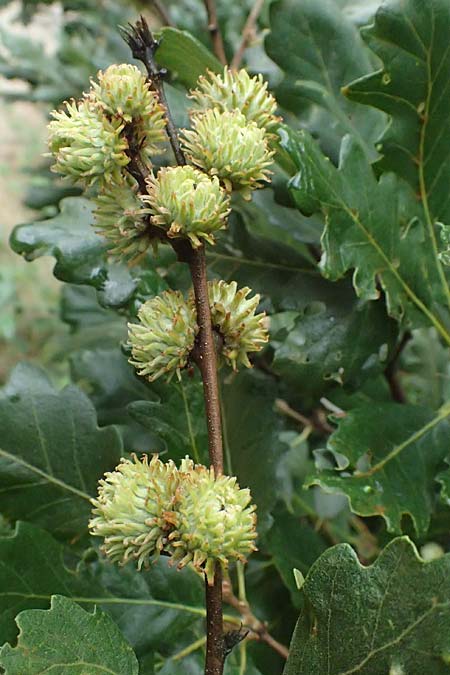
[(257, 629), (143, 47), (214, 30), (247, 33)]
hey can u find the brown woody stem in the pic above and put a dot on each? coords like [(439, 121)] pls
[(247, 33), (205, 357), (214, 30), (143, 47)]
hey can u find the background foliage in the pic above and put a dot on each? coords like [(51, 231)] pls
[(340, 429)]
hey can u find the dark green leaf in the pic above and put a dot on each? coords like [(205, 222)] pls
[(293, 543), (319, 51), (165, 417), (411, 39), (184, 56), (372, 227), (79, 252), (340, 340), (33, 569), (386, 458), (66, 637), (177, 417), (52, 453), (392, 617), (251, 436)]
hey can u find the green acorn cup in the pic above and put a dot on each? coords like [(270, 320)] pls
[(87, 146), (132, 510), (225, 145), (234, 316), (215, 521), (187, 203), (164, 337), (236, 90), (123, 91), (120, 217)]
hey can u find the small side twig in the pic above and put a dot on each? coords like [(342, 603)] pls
[(248, 33), (317, 421), (214, 30), (162, 12), (390, 372), (257, 629)]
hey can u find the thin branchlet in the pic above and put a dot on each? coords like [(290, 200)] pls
[(143, 47)]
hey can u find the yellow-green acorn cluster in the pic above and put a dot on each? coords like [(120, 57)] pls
[(234, 316), (226, 145), (123, 91), (164, 337), (88, 147), (229, 138), (214, 520), (162, 341), (120, 217), (91, 137), (145, 508), (131, 512), (187, 202), (92, 141), (237, 90)]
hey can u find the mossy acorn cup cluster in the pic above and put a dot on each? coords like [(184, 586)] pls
[(146, 508)]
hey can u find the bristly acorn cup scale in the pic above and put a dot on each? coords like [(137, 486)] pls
[(236, 90), (187, 202), (226, 145), (164, 337), (144, 509), (162, 342)]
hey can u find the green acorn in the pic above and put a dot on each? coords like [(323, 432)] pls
[(132, 510), (224, 144), (121, 218), (187, 202), (88, 147), (233, 316), (164, 338), (215, 521), (236, 90), (123, 91)]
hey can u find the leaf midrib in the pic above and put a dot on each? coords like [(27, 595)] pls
[(48, 477)]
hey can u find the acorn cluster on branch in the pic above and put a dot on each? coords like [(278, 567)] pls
[(163, 340), (145, 509), (113, 132)]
